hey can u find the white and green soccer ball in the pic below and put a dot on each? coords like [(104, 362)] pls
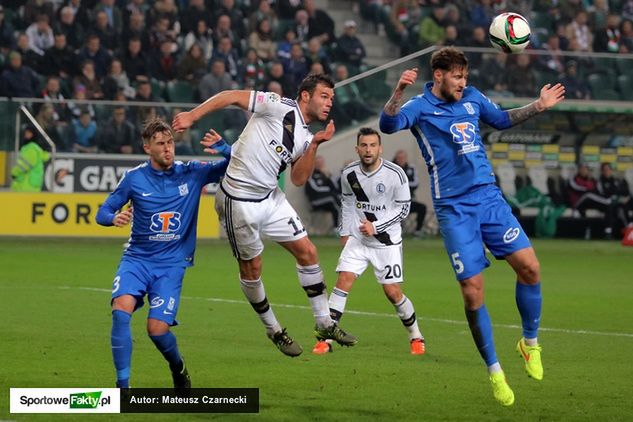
[(509, 32)]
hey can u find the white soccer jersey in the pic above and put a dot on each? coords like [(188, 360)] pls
[(275, 136), (382, 197)]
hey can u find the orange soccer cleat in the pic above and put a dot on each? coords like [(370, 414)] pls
[(417, 346)]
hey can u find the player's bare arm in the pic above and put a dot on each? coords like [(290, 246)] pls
[(407, 78), (367, 228), (123, 218), (550, 96), (186, 119), (302, 168)]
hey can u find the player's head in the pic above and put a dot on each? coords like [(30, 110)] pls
[(315, 96), (368, 147), (158, 143), (450, 72)]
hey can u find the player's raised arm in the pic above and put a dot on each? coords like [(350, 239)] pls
[(407, 78), (223, 99), (302, 168), (550, 96)]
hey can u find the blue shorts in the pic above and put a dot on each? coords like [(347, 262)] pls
[(161, 284), (477, 218)]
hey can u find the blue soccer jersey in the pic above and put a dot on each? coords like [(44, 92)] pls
[(165, 209), (448, 135)]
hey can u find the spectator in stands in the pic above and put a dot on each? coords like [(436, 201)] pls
[(190, 17), (75, 108), (350, 98), (274, 87), (192, 66), (316, 54), (302, 26), (69, 26), (579, 34), (223, 29), (575, 88), (203, 36), (481, 13), (478, 38), (117, 81), (297, 67), (29, 57), (94, 52), (349, 48), (598, 15), (18, 80), (617, 191), (118, 136), (228, 8), (493, 72), (216, 81), (320, 23), (225, 51), (261, 40), (45, 117), (139, 115), (165, 9), (607, 39), (404, 15), (52, 91), (569, 9), (418, 208), (89, 80), (561, 31), (101, 28), (113, 14), (626, 40), (160, 32), (287, 9), (40, 35), (135, 7), (284, 46), (80, 13), (59, 60), (277, 74), (254, 71), (263, 11), (145, 92), (34, 8), (322, 191), (431, 30), (464, 28), (583, 195), (7, 40), (83, 133), (134, 61), (520, 76), (28, 173), (450, 35), (553, 61), (135, 29), (162, 63)]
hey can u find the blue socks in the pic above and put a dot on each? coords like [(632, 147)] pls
[(121, 342), (167, 345), (481, 329), (529, 301)]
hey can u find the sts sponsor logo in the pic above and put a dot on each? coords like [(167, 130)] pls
[(464, 134), (511, 234), (165, 224)]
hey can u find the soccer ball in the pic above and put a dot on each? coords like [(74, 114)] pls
[(509, 32)]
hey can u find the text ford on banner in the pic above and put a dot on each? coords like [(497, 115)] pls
[(66, 214)]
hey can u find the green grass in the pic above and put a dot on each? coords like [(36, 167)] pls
[(56, 320)]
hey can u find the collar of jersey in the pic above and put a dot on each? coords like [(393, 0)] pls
[(382, 163), (155, 172), (429, 95), (303, 122)]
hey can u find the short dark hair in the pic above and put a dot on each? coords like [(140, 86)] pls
[(366, 131), (448, 58), (154, 126), (310, 82)]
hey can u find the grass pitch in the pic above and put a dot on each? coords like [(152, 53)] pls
[(54, 296)]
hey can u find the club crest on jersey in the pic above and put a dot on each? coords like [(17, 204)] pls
[(165, 224), (183, 189), (511, 234), (464, 134), (469, 108), (380, 188)]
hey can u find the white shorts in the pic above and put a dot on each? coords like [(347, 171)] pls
[(247, 222), (387, 261)]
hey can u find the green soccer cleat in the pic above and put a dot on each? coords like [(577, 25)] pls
[(532, 357), (500, 389), (182, 381), (334, 332), (285, 343)]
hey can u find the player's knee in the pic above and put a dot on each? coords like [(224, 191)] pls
[(473, 293), (251, 269), (530, 272), (393, 293), (307, 255), (156, 327)]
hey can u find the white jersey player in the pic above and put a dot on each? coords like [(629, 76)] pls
[(376, 198), (251, 206)]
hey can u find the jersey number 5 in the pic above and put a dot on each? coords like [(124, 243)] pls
[(457, 264)]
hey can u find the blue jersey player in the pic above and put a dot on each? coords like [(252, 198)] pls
[(470, 208), (164, 196)]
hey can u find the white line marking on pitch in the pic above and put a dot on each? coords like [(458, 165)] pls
[(379, 314)]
